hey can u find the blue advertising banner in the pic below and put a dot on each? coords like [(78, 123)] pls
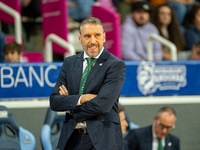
[(28, 80), (164, 78)]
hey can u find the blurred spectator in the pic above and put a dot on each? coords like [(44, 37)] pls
[(12, 51), (117, 2), (135, 32), (124, 123), (164, 19), (79, 9), (31, 14), (131, 125), (181, 8), (31, 8), (108, 4), (124, 8), (193, 54), (192, 33), (156, 136), (156, 2), (2, 44)]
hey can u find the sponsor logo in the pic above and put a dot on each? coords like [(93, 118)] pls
[(163, 77)]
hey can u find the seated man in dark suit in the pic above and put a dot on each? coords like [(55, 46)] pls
[(156, 136)]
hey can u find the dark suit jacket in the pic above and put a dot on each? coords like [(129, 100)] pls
[(101, 113), (141, 139)]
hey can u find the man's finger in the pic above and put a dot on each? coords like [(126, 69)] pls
[(61, 89), (65, 89), (60, 93)]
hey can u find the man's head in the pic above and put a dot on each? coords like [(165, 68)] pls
[(195, 52), (140, 13), (91, 36), (164, 122), (124, 123), (12, 52)]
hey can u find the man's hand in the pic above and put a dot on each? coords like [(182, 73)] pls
[(87, 97), (84, 98), (63, 90)]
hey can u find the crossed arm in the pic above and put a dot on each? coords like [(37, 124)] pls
[(84, 98), (99, 98)]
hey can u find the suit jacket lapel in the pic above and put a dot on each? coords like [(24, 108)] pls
[(168, 143), (78, 69), (148, 138), (97, 67)]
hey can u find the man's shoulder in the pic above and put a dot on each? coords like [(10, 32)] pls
[(141, 130), (109, 55), (128, 22), (116, 60), (173, 137), (139, 134), (111, 59), (73, 57)]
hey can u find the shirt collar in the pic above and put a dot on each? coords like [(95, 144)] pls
[(153, 132), (86, 56)]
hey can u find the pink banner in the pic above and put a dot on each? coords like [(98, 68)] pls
[(111, 25), (54, 15), (32, 57), (14, 4)]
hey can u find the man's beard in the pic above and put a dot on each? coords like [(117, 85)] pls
[(92, 55), (140, 24)]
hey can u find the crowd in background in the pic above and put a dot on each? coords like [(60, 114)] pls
[(175, 20)]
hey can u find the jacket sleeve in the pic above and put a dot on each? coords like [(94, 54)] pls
[(62, 102)]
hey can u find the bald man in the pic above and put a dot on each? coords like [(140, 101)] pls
[(156, 136)]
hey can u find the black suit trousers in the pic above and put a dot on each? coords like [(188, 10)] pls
[(79, 142)]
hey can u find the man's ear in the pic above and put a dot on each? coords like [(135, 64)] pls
[(104, 37), (79, 38), (155, 118)]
